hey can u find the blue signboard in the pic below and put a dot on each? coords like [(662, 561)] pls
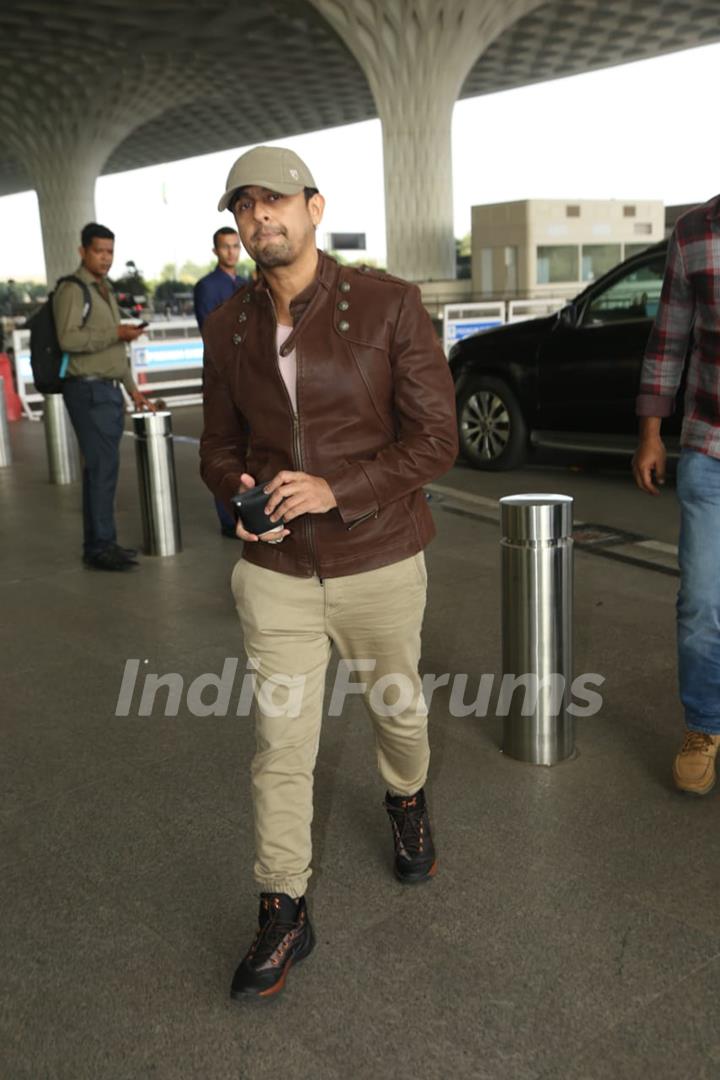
[(184, 352), (461, 328)]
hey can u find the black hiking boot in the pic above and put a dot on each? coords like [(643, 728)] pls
[(284, 938), (415, 859)]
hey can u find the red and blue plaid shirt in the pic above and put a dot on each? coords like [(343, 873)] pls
[(689, 308)]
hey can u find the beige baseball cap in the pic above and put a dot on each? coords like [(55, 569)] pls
[(271, 167)]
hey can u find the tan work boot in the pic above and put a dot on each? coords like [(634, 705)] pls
[(694, 767)]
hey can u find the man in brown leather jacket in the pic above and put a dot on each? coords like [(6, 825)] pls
[(326, 385)]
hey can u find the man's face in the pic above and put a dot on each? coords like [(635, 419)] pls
[(227, 250), (97, 258), (276, 230)]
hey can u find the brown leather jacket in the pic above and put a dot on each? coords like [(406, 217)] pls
[(375, 416)]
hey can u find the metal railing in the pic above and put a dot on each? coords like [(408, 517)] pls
[(462, 320), (168, 348), (521, 310), (168, 358)]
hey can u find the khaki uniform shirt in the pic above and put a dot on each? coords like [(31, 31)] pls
[(94, 348)]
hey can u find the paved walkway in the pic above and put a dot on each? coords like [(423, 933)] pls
[(573, 930)]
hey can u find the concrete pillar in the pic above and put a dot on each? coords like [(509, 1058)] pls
[(417, 152), (416, 55), (63, 167), (65, 128), (65, 189)]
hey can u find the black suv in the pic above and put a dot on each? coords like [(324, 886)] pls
[(565, 380)]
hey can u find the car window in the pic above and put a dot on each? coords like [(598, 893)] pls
[(634, 296)]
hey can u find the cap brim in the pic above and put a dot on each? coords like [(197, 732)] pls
[(282, 189)]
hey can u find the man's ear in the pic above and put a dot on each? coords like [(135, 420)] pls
[(81, 251), (316, 207)]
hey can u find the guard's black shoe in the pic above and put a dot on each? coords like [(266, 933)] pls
[(129, 553), (415, 858), (285, 937), (108, 559)]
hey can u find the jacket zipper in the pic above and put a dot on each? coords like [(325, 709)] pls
[(359, 521), (297, 448)]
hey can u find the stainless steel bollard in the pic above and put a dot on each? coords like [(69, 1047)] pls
[(537, 625), (5, 448), (62, 451), (156, 479)]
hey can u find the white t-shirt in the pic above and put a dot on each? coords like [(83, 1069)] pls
[(288, 364)]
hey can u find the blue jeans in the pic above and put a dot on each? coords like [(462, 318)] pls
[(698, 605), (97, 412)]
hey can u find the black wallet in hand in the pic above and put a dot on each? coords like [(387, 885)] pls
[(250, 509)]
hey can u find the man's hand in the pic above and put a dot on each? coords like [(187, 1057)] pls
[(648, 463), (126, 332), (295, 493), (650, 456), (273, 535), (142, 403)]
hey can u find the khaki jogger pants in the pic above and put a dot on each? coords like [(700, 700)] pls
[(289, 625)]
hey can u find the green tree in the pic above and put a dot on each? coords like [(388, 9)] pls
[(131, 283), (169, 272), (464, 244), (190, 272), (166, 290)]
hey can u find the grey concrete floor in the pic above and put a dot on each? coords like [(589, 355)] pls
[(603, 489), (573, 930)]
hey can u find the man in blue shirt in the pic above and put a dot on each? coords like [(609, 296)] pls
[(218, 286), (211, 291)]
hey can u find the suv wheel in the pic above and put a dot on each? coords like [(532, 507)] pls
[(491, 426)]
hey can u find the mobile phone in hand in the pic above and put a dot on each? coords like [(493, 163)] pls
[(250, 509)]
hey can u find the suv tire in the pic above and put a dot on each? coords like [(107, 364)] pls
[(491, 427)]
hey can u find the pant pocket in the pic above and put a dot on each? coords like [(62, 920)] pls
[(237, 580), (420, 568)]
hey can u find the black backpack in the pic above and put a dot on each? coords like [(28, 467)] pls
[(45, 353)]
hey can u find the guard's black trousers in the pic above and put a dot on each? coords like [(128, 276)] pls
[(97, 412)]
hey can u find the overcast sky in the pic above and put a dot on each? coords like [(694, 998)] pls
[(641, 131)]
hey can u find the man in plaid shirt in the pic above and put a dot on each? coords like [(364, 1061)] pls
[(686, 338)]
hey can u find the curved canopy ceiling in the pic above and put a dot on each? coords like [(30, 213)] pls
[(194, 76)]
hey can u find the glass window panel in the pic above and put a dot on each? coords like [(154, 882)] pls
[(557, 263), (486, 270), (511, 269), (597, 259), (634, 296)]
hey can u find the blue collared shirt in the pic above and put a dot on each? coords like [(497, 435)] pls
[(212, 290)]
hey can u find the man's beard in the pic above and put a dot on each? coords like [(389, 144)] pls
[(274, 255), (276, 252)]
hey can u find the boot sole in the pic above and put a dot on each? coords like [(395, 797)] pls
[(130, 564), (262, 995), (697, 792), (427, 876)]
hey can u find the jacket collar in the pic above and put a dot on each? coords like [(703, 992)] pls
[(713, 208), (327, 271)]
